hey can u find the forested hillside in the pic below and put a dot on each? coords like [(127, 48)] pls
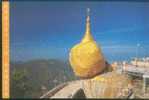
[(30, 79)]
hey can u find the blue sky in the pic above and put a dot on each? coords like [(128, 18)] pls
[(49, 29)]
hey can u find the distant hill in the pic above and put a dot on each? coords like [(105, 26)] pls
[(40, 72)]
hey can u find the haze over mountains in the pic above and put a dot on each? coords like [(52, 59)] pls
[(38, 73)]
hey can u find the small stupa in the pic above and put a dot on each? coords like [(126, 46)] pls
[(86, 57), (102, 81)]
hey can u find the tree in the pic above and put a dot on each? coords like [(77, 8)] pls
[(19, 84)]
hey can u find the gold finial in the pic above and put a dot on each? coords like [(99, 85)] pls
[(87, 36), (88, 11)]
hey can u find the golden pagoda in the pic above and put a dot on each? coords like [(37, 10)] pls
[(86, 57), (87, 61)]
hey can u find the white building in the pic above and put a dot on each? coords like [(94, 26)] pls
[(144, 62)]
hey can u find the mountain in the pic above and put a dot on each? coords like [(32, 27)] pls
[(39, 73)]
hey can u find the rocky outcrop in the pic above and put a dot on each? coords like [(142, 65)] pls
[(108, 85)]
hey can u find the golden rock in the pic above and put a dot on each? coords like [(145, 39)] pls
[(86, 57)]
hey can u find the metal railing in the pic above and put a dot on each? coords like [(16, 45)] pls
[(53, 91)]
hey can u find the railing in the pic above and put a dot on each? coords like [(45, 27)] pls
[(134, 69), (54, 90)]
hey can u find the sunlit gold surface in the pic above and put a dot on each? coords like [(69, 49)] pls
[(5, 49), (86, 57)]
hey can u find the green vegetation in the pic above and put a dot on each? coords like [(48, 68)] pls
[(20, 83), (29, 78)]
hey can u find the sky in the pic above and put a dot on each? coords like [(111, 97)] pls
[(48, 30)]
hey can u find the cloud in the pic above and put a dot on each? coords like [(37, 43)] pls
[(123, 29), (119, 46)]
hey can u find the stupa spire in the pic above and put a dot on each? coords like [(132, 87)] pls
[(87, 37)]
